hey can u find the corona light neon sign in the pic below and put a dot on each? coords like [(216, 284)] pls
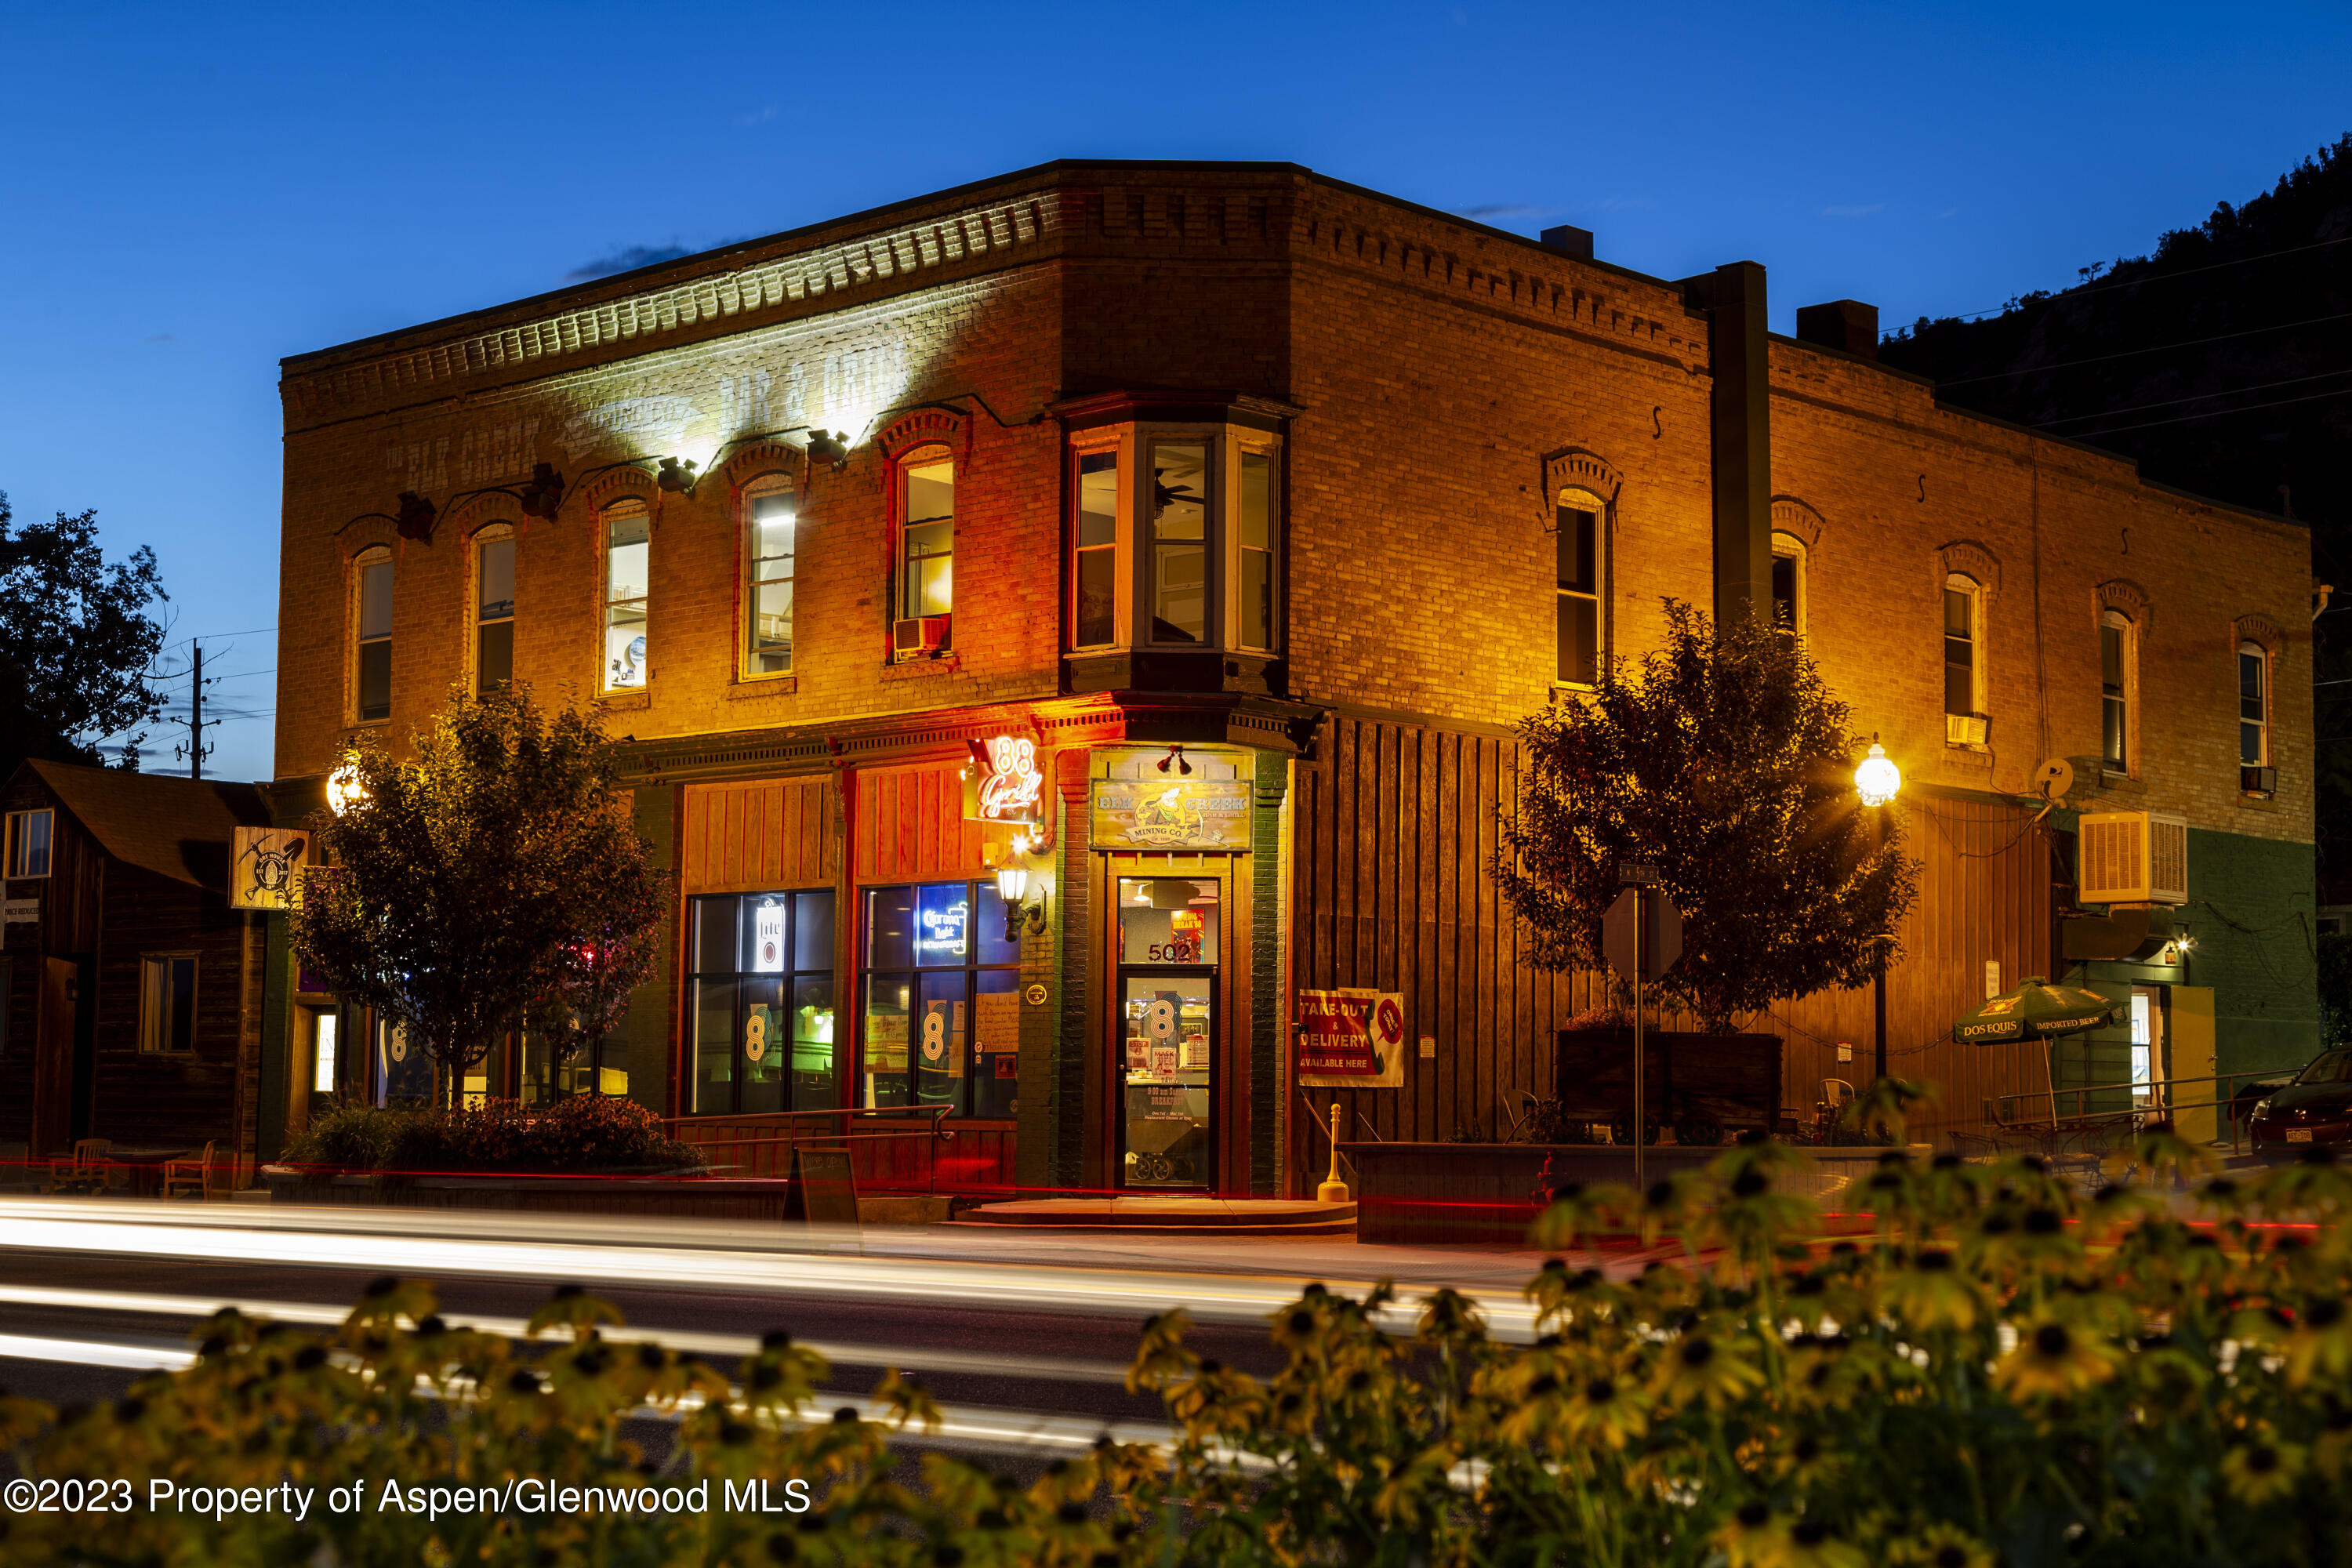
[(1007, 786)]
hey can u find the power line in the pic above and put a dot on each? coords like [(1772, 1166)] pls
[(2078, 293), (2198, 397), (2210, 414), (2127, 354)]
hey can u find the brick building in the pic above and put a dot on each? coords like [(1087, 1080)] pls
[(1328, 491)]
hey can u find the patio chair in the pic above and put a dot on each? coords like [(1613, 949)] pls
[(195, 1174), (85, 1169)]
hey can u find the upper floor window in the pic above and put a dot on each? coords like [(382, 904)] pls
[(1094, 572), (494, 608), (1178, 589), (1260, 551), (28, 843), (1580, 547), (2253, 705), (2117, 654), (372, 621), (770, 515), (1963, 635), (1788, 584), (927, 536), (629, 577)]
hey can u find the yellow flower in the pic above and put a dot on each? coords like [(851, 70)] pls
[(1931, 1294), (1808, 1463), (2321, 1345), (2260, 1470), (1695, 1370), (1606, 1411), (2052, 1361), (1757, 1538), (1939, 1546)]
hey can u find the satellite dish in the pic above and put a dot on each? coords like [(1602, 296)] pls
[(2053, 778)]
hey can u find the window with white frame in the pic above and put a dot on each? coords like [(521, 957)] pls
[(771, 521), (28, 843), (372, 575), (1258, 550), (1178, 585), (2118, 691), (1579, 549), (167, 1001), (926, 534), (1788, 584), (2253, 705), (1094, 545), (628, 580), (494, 607), (1963, 645)]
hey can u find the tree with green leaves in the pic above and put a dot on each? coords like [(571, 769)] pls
[(1724, 762), (493, 884), (76, 643)]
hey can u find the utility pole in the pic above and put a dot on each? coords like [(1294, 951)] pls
[(195, 751)]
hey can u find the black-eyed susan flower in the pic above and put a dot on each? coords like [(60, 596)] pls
[(1938, 1546), (2052, 1361), (1699, 1368), (2263, 1468), (1606, 1410), (1931, 1294)]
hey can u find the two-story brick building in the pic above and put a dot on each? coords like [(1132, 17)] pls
[(1252, 510)]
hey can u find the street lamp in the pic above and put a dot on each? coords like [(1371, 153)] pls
[(1878, 781), (344, 789)]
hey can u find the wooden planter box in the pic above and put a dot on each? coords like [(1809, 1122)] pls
[(1425, 1194), (691, 1197)]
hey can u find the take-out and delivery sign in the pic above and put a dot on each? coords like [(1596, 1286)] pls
[(1350, 1038)]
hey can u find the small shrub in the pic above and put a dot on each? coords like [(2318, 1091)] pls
[(585, 1133)]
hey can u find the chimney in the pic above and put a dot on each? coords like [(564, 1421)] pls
[(1569, 241), (1739, 435), (1848, 326)]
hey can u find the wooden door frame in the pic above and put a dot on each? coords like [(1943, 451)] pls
[(54, 1036)]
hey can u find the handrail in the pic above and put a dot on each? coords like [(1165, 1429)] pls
[(731, 1135), (2161, 1101)]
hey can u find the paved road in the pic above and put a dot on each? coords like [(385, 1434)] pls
[(1024, 1337)]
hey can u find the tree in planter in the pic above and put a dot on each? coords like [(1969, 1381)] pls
[(492, 884), (1727, 765)]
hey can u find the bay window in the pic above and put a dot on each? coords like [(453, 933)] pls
[(1094, 611), (1177, 565), (927, 535)]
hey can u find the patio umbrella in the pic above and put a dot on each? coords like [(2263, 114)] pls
[(2036, 1010)]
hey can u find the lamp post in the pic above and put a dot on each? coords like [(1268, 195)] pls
[(1878, 781)]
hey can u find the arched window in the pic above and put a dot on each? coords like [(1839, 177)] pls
[(1581, 549), (494, 607), (2118, 691), (372, 572), (2253, 705), (926, 585), (628, 578), (771, 520), (1963, 647), (1788, 584)]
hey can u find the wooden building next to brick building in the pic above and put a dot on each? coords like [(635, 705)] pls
[(130, 989), (1224, 519)]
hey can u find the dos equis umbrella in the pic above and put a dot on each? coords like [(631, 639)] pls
[(2037, 1010)]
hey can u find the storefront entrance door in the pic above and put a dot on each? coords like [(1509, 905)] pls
[(1167, 1034)]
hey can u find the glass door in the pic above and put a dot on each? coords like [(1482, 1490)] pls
[(1169, 955)]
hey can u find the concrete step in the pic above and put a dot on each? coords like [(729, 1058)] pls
[(1169, 1216)]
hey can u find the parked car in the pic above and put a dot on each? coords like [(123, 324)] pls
[(2315, 1107)]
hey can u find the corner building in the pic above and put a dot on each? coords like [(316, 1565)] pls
[(1251, 509)]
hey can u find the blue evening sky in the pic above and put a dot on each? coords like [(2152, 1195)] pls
[(188, 192)]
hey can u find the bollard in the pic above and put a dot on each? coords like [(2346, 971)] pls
[(1333, 1190)]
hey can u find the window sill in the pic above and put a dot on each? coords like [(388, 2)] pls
[(763, 686), (2258, 803), (1966, 756), (2124, 782), (357, 724), (625, 701), (943, 663)]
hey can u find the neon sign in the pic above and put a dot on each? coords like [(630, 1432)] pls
[(1008, 787), (943, 928)]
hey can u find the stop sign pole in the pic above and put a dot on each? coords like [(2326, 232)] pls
[(1640, 936)]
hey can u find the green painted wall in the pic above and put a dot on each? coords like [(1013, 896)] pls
[(2250, 910)]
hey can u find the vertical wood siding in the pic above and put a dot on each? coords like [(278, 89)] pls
[(750, 837), (1396, 827), (909, 823)]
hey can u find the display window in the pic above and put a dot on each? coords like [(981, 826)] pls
[(943, 994), (762, 1003)]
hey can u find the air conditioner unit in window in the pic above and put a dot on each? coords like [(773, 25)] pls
[(924, 634), (1964, 729), (2133, 857), (2258, 780)]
